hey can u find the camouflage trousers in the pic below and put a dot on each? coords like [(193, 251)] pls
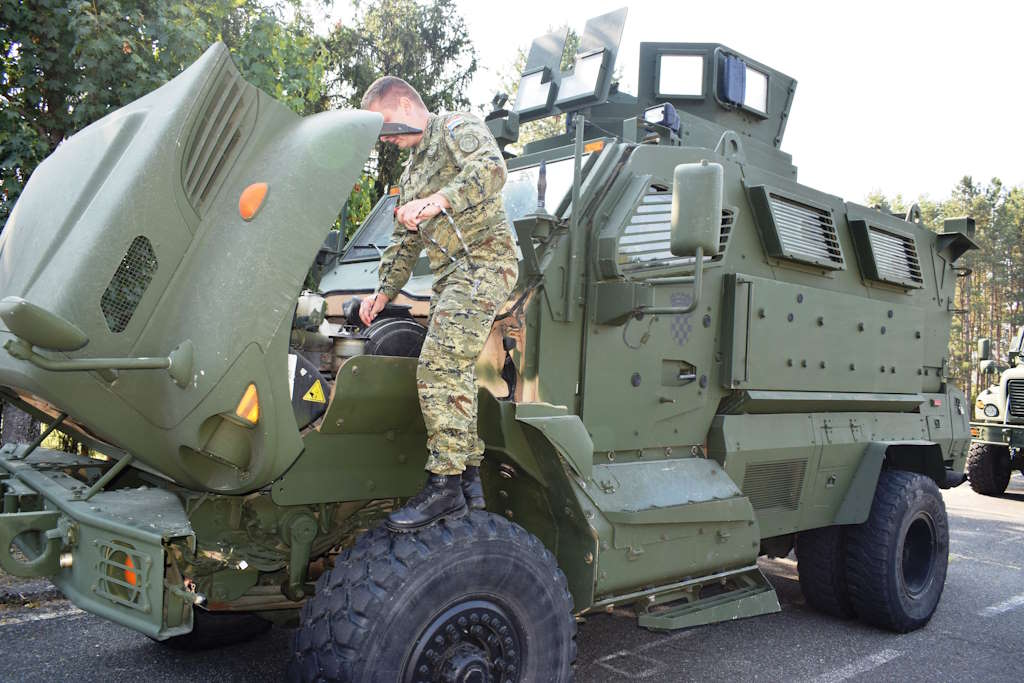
[(462, 311)]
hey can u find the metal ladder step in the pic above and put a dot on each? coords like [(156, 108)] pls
[(752, 596)]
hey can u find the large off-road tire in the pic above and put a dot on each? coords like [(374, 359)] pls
[(472, 599), (218, 629), (988, 468), (896, 560), (821, 563)]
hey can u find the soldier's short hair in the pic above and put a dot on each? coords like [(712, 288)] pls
[(387, 90)]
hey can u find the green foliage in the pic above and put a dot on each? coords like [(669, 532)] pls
[(988, 295), (67, 63), (425, 44)]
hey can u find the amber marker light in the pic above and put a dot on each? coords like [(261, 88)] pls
[(595, 146), (130, 575), (249, 407), (251, 200), (394, 190)]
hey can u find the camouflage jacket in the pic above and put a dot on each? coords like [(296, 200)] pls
[(459, 158)]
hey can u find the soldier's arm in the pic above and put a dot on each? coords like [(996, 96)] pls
[(397, 261), (482, 168)]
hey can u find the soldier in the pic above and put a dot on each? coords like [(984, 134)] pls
[(449, 203)]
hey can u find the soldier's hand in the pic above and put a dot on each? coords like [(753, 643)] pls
[(411, 214), (371, 307)]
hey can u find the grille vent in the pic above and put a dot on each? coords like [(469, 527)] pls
[(129, 283), (1015, 394), (223, 124), (123, 574), (646, 242), (892, 255), (775, 484), (805, 233)]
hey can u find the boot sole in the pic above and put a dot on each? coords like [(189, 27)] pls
[(453, 514)]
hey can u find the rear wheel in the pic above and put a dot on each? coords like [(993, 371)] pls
[(218, 629), (821, 564), (896, 560), (472, 599), (988, 468)]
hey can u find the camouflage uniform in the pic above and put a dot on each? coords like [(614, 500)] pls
[(458, 158)]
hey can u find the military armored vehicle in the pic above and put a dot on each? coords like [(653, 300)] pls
[(704, 362), (998, 426)]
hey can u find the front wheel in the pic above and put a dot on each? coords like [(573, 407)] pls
[(988, 468), (472, 599), (896, 560)]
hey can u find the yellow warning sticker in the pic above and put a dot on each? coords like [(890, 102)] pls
[(315, 393)]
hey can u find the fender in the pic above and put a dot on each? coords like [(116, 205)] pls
[(923, 457)]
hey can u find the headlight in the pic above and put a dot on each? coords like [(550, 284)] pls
[(991, 410)]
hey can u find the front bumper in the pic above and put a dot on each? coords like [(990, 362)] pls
[(998, 433), (110, 554)]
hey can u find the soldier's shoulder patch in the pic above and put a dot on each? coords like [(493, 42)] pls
[(453, 122), (468, 142)]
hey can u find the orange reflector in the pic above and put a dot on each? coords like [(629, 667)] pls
[(974, 431), (595, 146), (394, 190), (251, 200), (249, 407), (130, 576)]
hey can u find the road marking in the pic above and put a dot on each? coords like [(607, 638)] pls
[(958, 556), (655, 667), (652, 665), (666, 639), (860, 666), (1013, 603), (42, 616)]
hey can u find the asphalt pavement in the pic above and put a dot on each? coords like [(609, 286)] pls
[(977, 632)]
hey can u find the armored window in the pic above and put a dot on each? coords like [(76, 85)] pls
[(680, 75), (796, 229), (129, 283), (223, 123), (887, 255), (645, 242)]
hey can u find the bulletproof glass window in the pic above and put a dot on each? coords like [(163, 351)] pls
[(756, 95), (796, 229), (681, 75), (375, 232), (520, 193), (645, 242)]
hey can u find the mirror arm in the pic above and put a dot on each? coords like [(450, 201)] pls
[(178, 364), (697, 280)]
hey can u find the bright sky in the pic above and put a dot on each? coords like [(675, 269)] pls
[(905, 96)]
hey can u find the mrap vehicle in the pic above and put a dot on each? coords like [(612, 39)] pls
[(703, 362)]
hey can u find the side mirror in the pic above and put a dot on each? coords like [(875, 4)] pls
[(39, 327), (984, 349), (697, 208), (987, 367)]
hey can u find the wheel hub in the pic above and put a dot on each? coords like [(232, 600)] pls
[(471, 642), (919, 548)]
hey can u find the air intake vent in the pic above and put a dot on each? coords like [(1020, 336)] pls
[(1015, 394), (645, 243), (887, 255), (129, 283), (775, 484), (222, 125), (797, 230)]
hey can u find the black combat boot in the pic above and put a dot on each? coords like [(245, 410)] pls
[(441, 497), (472, 489)]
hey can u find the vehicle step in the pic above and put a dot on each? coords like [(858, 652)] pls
[(752, 596)]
